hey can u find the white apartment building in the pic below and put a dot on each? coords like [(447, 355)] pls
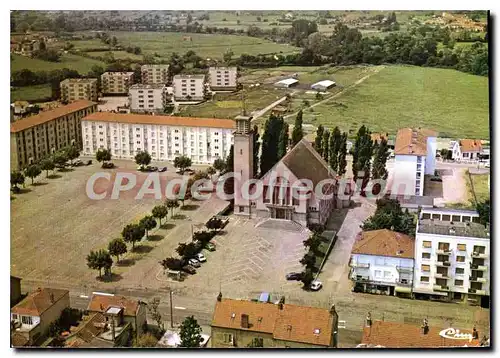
[(164, 137), (154, 74), (147, 98), (382, 262), (452, 256), (116, 82), (189, 87), (415, 156), (223, 78)]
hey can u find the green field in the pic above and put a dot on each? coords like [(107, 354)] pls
[(481, 187), (73, 62), (119, 55), (30, 93), (451, 102)]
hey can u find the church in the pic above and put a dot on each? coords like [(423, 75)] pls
[(301, 187)]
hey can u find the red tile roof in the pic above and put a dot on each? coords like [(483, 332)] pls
[(412, 141), (101, 303), (292, 323), (401, 335), (384, 243), (160, 120), (39, 301), (49, 115), (470, 145)]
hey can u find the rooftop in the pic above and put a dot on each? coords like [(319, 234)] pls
[(225, 68), (155, 65), (160, 120), (79, 80), (463, 229), (470, 145), (412, 141), (39, 301), (288, 81), (401, 335), (384, 243), (148, 86), (101, 303), (291, 323), (326, 83), (117, 73), (49, 115), (189, 76)]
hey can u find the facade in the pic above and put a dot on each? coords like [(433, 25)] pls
[(322, 85), (116, 82), (189, 87), (223, 78), (147, 98), (75, 89), (32, 316), (120, 309), (452, 256), (164, 137), (245, 323), (15, 290), (415, 157), (154, 74), (35, 137), (382, 262), (466, 149)]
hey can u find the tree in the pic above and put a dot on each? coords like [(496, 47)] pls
[(483, 208), (16, 178), (103, 155), (318, 141), (297, 133), (176, 64), (98, 260), (379, 170), (143, 158), (60, 159), (146, 340), (182, 162), (271, 143), (153, 306), (325, 152), (214, 223), (362, 155), (171, 204), (148, 223), (307, 277), (342, 161), (219, 165), (309, 261), (72, 153), (186, 251), (389, 215), (229, 182), (334, 147), (117, 247), (160, 212), (32, 172), (132, 233), (228, 55), (172, 263), (190, 333), (283, 141), (256, 148), (312, 242), (47, 164)]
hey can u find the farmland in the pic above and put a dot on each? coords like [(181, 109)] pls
[(31, 93), (74, 62)]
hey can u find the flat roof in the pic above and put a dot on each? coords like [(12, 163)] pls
[(117, 73), (326, 83), (131, 118), (76, 80), (463, 229), (451, 211), (288, 81), (148, 86), (189, 76)]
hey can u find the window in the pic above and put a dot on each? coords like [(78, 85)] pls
[(27, 320), (460, 258), (378, 273), (443, 246), (461, 247), (459, 271), (459, 282), (228, 338), (387, 274), (424, 278), (426, 268), (427, 244), (426, 255)]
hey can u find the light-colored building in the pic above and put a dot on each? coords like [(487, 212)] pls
[(164, 137), (35, 137), (382, 262), (74, 89), (415, 157), (322, 85), (116, 82), (223, 78), (466, 149), (121, 309), (452, 256), (242, 324), (148, 98), (32, 317), (189, 87), (286, 83), (154, 74)]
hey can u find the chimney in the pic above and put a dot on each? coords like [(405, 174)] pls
[(425, 327), (368, 320), (219, 297), (244, 321), (475, 333)]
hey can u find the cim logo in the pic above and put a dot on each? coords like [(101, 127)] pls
[(452, 333)]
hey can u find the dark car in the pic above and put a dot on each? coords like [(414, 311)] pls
[(89, 162), (108, 165), (189, 269), (294, 276), (162, 169), (77, 163), (150, 168), (438, 179)]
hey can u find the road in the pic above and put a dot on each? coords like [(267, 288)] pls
[(260, 112)]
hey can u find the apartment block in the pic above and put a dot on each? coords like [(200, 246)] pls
[(164, 137), (35, 137), (452, 256), (189, 87), (148, 98), (116, 82), (154, 74), (223, 78), (74, 89)]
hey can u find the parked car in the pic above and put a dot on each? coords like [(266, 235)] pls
[(108, 165), (77, 163), (150, 168), (89, 162), (316, 285), (210, 246), (200, 257), (294, 276), (162, 169), (438, 179), (141, 168), (189, 269), (194, 263)]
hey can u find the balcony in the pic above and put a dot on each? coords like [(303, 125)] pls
[(443, 251), (479, 255), (360, 265), (477, 279), (404, 269), (359, 278), (443, 263), (477, 292), (478, 267), (403, 283), (440, 288), (441, 275)]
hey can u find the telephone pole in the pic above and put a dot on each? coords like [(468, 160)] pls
[(171, 309)]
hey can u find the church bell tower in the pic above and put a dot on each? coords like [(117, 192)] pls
[(243, 162)]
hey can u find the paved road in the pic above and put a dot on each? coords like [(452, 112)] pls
[(260, 112)]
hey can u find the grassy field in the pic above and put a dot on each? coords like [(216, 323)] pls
[(30, 93), (481, 187), (74, 62), (397, 96), (119, 55)]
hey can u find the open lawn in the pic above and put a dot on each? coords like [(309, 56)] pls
[(119, 55), (481, 187), (73, 62), (30, 93), (451, 102)]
